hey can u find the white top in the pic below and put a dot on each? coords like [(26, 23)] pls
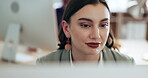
[(100, 62)]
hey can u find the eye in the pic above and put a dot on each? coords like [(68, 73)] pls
[(104, 25), (85, 25)]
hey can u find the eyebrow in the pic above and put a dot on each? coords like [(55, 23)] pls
[(86, 19), (105, 19)]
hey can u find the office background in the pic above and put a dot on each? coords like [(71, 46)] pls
[(130, 30)]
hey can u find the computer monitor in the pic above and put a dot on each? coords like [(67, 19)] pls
[(37, 21), (84, 71)]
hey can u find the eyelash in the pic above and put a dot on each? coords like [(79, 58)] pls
[(87, 25), (104, 25)]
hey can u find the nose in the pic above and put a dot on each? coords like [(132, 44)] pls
[(95, 33)]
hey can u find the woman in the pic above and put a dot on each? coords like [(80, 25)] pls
[(86, 36)]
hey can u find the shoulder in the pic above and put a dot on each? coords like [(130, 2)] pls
[(51, 57), (119, 57)]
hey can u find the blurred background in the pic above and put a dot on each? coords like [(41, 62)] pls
[(129, 22)]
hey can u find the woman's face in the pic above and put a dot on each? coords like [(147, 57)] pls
[(88, 29)]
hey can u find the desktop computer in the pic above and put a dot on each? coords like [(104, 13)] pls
[(28, 22)]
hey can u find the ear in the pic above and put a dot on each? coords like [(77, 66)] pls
[(66, 28)]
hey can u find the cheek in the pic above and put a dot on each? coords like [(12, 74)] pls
[(104, 34), (77, 34)]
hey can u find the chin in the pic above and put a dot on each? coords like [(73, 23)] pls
[(94, 51)]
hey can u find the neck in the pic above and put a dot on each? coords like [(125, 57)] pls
[(80, 57)]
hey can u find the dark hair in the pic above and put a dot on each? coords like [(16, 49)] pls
[(72, 7)]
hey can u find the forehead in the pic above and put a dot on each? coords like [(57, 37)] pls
[(96, 12)]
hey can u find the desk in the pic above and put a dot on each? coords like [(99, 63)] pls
[(136, 49), (133, 48), (23, 56)]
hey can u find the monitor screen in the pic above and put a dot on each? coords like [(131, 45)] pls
[(37, 19)]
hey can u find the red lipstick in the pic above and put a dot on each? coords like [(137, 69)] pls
[(93, 45)]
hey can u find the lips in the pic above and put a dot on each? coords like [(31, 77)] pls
[(93, 45)]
